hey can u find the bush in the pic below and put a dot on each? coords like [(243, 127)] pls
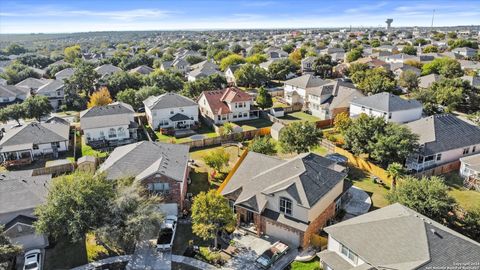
[(212, 257)]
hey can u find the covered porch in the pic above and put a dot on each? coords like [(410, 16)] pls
[(181, 121), (17, 155)]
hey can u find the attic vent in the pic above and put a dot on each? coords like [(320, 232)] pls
[(435, 233)]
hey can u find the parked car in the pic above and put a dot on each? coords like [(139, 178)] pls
[(33, 260), (271, 255), (167, 233)]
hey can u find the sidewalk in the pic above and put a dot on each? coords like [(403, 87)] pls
[(192, 262)]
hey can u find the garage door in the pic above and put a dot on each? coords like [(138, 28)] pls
[(289, 237)]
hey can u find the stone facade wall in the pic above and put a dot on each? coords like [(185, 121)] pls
[(318, 223)]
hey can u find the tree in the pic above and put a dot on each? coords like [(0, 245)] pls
[(72, 53), (428, 196), (120, 81), (471, 223), (194, 59), (395, 170), (169, 81), (212, 82), (413, 63), (408, 49), (299, 137), (447, 67), (100, 98), (341, 122), (76, 204), (8, 250), (289, 47), (211, 214), (374, 81), (264, 99), (409, 79), (360, 133), (356, 67), (263, 145), (448, 92), (34, 60), (17, 72), (430, 49), (256, 59), (13, 112), (296, 56), (279, 70), (14, 49), (37, 107), (217, 159), (354, 55), (129, 96), (235, 48), (133, 216), (226, 128), (80, 85), (323, 66), (230, 60), (250, 76), (375, 43), (219, 56)]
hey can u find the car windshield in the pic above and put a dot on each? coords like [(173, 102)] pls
[(31, 265)]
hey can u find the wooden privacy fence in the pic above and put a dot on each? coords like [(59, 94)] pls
[(54, 170), (244, 135), (365, 165), (232, 171), (442, 169)]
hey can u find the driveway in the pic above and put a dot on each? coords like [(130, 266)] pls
[(250, 247), (146, 257)]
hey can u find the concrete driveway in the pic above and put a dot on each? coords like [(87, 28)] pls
[(250, 247)]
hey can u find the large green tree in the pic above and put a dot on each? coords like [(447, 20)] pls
[(251, 76), (299, 137), (120, 81), (76, 204), (279, 70), (354, 55), (169, 81), (409, 79), (13, 112), (230, 60), (72, 53), (217, 159), (211, 214), (17, 72), (264, 99), (408, 49), (80, 85), (8, 250), (37, 107), (323, 66), (263, 145), (361, 131), (428, 196), (374, 81), (447, 67)]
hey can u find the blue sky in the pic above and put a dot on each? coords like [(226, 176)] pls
[(104, 15)]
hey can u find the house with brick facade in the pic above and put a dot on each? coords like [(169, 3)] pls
[(161, 167), (289, 200)]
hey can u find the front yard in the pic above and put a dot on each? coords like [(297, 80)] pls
[(65, 255), (311, 265), (300, 117)]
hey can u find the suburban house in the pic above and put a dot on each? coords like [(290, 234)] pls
[(110, 125), (11, 93), (54, 91), (274, 53), (171, 110), (20, 194), (470, 171), (388, 106), (288, 200), (296, 90), (227, 105), (443, 139), (427, 80), (179, 64), (330, 99), (395, 237), (24, 144), (161, 167), (465, 51), (307, 64), (202, 70), (230, 74), (31, 85), (142, 70), (64, 74), (107, 69)]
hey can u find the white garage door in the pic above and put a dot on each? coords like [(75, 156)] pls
[(289, 237)]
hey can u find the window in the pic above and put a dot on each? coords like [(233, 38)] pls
[(466, 150), (121, 131), (102, 135), (428, 158), (474, 148), (55, 144), (159, 187), (363, 108), (390, 116), (171, 111), (35, 146), (348, 253), (219, 117), (286, 206), (112, 133), (439, 157)]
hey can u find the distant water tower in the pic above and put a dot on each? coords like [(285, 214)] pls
[(389, 23)]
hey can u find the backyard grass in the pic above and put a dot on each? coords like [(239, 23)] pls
[(300, 116), (89, 151), (254, 124), (94, 251), (467, 199), (203, 130), (320, 150), (278, 104), (199, 182), (311, 265), (377, 192), (65, 255), (183, 236)]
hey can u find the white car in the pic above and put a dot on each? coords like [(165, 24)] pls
[(33, 260)]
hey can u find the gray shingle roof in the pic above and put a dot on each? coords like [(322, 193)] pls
[(32, 83), (396, 237), (387, 102), (51, 86), (107, 69), (305, 81), (439, 133), (36, 133), (168, 100), (21, 191), (259, 175), (12, 91), (145, 158), (114, 114)]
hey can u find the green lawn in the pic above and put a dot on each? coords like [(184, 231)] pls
[(278, 104), (89, 151), (203, 130), (65, 255), (311, 265), (300, 116), (467, 199), (254, 124), (199, 182), (376, 191), (183, 235), (320, 150)]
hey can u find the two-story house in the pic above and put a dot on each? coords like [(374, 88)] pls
[(109, 125), (24, 144), (296, 90), (395, 237), (388, 106), (54, 91), (11, 93), (328, 100), (171, 110), (307, 64), (443, 138), (161, 167), (227, 105), (288, 200)]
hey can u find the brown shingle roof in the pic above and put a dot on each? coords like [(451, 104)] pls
[(217, 99)]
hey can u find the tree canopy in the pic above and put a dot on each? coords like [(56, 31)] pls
[(279, 70), (251, 76), (299, 137), (264, 99), (100, 98), (263, 145), (37, 107), (374, 81), (447, 67)]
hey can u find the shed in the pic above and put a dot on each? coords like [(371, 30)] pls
[(275, 130)]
